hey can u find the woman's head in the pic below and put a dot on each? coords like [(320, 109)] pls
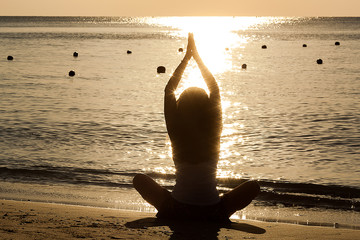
[(193, 103)]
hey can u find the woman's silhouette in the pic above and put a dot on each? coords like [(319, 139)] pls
[(194, 124)]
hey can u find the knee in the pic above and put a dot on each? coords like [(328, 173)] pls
[(254, 187), (139, 179)]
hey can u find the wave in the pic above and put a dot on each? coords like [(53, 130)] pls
[(295, 36), (68, 175), (273, 193), (310, 195), (86, 35), (160, 35), (40, 21)]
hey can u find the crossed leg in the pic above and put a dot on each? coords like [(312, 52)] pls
[(234, 200), (150, 190), (240, 197)]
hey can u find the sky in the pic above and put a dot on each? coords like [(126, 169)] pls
[(179, 8)]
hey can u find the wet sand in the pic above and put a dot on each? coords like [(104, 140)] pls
[(33, 220)]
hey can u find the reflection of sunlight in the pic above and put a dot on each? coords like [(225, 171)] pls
[(228, 130), (162, 156), (227, 174), (214, 36), (225, 104), (225, 147), (217, 39), (164, 170), (230, 133), (191, 78), (169, 149)]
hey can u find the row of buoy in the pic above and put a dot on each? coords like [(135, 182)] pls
[(162, 69), (304, 45), (76, 54), (319, 61), (263, 47), (72, 72)]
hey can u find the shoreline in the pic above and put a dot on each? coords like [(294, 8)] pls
[(39, 220), (129, 199)]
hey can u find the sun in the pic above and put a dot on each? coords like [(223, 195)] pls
[(215, 37)]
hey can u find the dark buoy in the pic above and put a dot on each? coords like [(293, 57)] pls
[(264, 47), (161, 69), (10, 58), (319, 61), (129, 52), (244, 66), (337, 43), (72, 73), (304, 45), (227, 49), (75, 54), (181, 50)]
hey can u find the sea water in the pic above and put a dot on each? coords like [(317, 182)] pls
[(290, 123)]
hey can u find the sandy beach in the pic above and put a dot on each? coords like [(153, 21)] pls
[(34, 220)]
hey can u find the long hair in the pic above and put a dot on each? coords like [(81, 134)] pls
[(198, 133), (193, 108)]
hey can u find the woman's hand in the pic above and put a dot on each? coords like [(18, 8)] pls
[(194, 51), (190, 46)]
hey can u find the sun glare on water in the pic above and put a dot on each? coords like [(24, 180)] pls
[(215, 37)]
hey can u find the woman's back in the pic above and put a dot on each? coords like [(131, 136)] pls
[(195, 128)]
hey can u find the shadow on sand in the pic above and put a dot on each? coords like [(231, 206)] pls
[(193, 229)]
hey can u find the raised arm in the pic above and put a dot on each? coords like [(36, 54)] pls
[(170, 99), (176, 77), (208, 77)]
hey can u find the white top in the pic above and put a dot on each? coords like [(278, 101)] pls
[(196, 184)]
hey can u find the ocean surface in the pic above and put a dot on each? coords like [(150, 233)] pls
[(290, 123)]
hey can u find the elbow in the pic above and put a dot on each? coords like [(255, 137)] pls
[(168, 90)]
